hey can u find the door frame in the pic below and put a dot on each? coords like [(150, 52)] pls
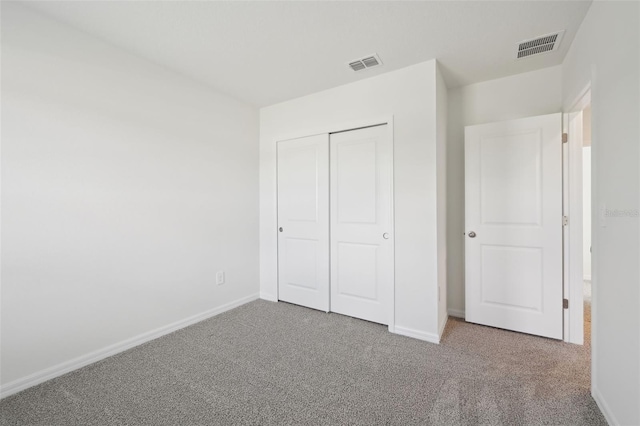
[(344, 126), (573, 232)]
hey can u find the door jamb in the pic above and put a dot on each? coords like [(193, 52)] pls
[(572, 207)]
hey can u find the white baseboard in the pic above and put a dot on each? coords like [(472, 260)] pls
[(455, 313), (604, 407), (417, 334), (84, 360), (269, 297)]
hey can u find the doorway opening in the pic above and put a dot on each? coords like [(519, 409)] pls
[(581, 279), (577, 190), (586, 217)]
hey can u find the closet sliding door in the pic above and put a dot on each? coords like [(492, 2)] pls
[(303, 221), (361, 219)]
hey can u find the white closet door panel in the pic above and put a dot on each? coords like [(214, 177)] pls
[(361, 234), (303, 221)]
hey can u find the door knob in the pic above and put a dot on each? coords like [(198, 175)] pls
[(472, 234), (280, 229), (385, 235)]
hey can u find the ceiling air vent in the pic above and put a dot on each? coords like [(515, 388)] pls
[(366, 62), (538, 45)]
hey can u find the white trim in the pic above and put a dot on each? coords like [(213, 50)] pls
[(458, 313), (574, 287), (581, 101), (566, 320), (595, 200), (442, 327), (586, 278), (268, 296), (95, 356), (392, 290), (417, 334), (573, 274), (333, 128), (604, 407)]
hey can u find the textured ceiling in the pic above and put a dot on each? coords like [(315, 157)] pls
[(266, 52)]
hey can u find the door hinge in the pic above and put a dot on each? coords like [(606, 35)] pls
[(565, 303), (565, 137), (565, 220)]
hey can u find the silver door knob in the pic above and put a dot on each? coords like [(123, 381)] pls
[(385, 235), (280, 229), (472, 234)]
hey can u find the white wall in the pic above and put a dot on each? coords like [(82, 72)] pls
[(522, 95), (409, 95), (605, 53), (586, 212), (125, 187)]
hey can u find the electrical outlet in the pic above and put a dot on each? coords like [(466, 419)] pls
[(220, 277)]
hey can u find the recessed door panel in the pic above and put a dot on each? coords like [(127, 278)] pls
[(356, 266), (513, 215), (511, 179), (356, 181), (503, 281), (298, 179), (302, 265)]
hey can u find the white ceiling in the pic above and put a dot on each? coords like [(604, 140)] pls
[(269, 51)]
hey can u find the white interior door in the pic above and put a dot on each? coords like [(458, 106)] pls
[(361, 234), (513, 214), (303, 221)]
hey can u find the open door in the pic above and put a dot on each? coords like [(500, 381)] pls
[(513, 215)]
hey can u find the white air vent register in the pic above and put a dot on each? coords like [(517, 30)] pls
[(543, 44), (369, 61)]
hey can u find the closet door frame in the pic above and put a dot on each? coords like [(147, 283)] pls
[(342, 127)]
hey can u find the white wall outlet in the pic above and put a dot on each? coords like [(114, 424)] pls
[(220, 277)]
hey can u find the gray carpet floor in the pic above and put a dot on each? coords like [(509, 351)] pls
[(274, 364)]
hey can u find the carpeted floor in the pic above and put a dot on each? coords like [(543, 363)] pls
[(274, 363)]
